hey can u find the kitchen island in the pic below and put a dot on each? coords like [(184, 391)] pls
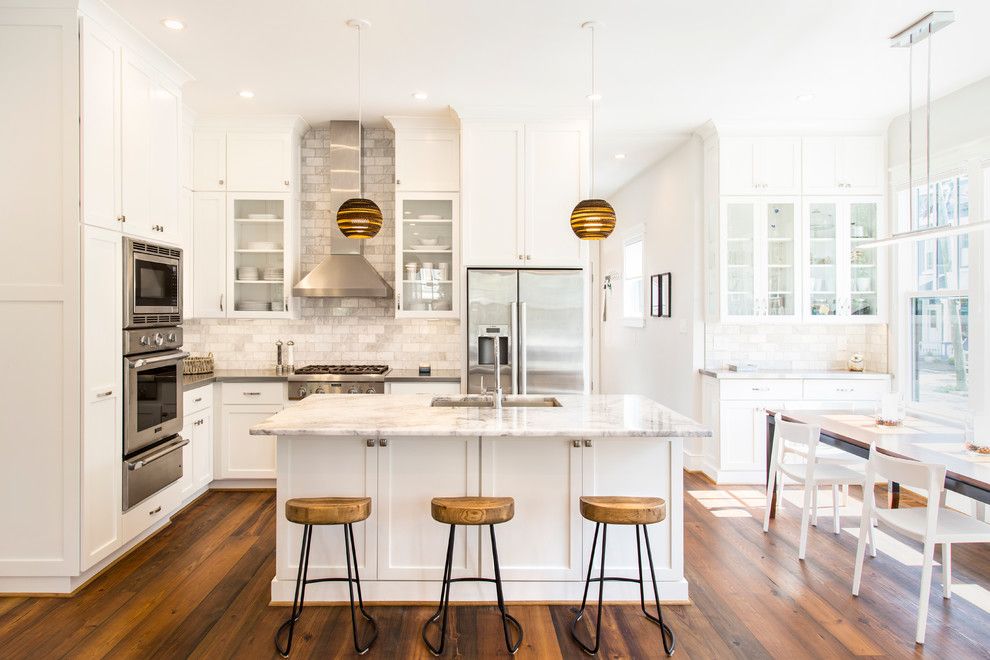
[(402, 451)]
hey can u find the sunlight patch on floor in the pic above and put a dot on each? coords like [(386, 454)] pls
[(974, 593)]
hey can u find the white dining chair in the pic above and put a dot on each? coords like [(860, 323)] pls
[(928, 525), (800, 441)]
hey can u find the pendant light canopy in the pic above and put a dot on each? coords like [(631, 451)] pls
[(359, 217), (592, 219)]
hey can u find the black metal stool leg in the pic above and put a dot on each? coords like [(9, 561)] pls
[(601, 585), (666, 634), (444, 606), (507, 618), (299, 597), (351, 552)]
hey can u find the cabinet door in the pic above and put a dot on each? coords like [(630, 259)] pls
[(201, 467), (242, 455), (411, 545), (185, 222), (545, 478), (164, 169), (636, 467), (824, 254), (556, 180), (186, 484), (740, 259), (736, 168), (258, 162), (209, 169), (492, 195), (427, 161), (865, 275), (781, 242), (743, 438), (820, 166), (100, 127), (777, 165), (136, 146), (102, 289), (209, 265), (861, 165)]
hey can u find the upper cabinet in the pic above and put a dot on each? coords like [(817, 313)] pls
[(520, 182), (209, 161), (760, 166), (242, 161), (843, 165), (130, 140), (427, 160)]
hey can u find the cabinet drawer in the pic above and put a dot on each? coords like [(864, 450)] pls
[(153, 509), (197, 399), (254, 392), (760, 389), (844, 389)]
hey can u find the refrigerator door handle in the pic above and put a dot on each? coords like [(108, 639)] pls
[(520, 342), (514, 348)]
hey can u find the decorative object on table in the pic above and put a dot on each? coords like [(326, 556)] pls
[(977, 435), (424, 369), (855, 362), (742, 366), (198, 365), (890, 410), (359, 217), (592, 219)]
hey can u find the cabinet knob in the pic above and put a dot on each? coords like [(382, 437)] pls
[(123, 218), (520, 257), (528, 257), (383, 442), (576, 444), (370, 442), (398, 182), (587, 443), (221, 182)]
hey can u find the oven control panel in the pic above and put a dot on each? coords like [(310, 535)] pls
[(150, 340), (300, 390)]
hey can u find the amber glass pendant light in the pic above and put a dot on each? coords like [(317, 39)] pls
[(592, 219), (359, 217)]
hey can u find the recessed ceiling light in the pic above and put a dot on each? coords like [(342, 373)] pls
[(594, 97), (246, 94), (804, 98), (619, 156), (173, 23), (420, 96)]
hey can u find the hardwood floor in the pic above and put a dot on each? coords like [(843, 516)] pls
[(200, 589)]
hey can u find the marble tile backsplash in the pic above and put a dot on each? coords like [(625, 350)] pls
[(796, 346), (336, 330)]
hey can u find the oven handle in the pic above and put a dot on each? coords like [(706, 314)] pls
[(164, 451), (172, 355)]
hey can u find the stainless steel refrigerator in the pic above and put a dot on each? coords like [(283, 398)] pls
[(540, 319)]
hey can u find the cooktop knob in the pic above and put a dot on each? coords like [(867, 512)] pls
[(145, 340), (171, 337), (320, 390), (371, 390), (354, 390), (159, 339), (302, 391)]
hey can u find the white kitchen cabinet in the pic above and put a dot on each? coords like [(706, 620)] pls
[(197, 456), (242, 455), (760, 247), (520, 182), (185, 224), (844, 165), (545, 479), (844, 282), (426, 160), (209, 256), (260, 237), (453, 466), (151, 511), (759, 166), (259, 162), (100, 126), (102, 356), (423, 387), (426, 259), (209, 168)]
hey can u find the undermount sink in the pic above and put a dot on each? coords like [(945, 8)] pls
[(481, 401)]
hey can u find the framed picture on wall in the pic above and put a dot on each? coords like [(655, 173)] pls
[(654, 295), (660, 295)]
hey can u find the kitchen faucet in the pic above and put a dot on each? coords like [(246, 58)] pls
[(497, 392)]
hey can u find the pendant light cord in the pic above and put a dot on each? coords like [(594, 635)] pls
[(594, 102), (360, 128)]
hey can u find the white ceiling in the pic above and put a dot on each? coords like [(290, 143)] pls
[(664, 68)]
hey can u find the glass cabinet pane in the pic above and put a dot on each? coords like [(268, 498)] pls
[(740, 259), (822, 255), (781, 231), (863, 283), (259, 255), (427, 254)]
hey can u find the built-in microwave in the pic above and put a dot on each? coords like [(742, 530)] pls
[(152, 285)]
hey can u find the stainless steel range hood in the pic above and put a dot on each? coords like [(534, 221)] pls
[(345, 273)]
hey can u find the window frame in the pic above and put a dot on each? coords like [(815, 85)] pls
[(636, 234)]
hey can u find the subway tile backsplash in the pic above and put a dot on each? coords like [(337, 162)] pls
[(796, 346), (336, 330)]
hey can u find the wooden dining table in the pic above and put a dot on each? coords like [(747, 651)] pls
[(915, 438)]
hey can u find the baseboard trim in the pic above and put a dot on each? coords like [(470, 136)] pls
[(242, 484)]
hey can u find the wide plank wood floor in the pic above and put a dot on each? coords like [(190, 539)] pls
[(200, 589)]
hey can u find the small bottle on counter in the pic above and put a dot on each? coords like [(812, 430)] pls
[(279, 368), (290, 358)]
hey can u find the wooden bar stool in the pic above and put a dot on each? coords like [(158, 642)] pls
[(638, 511), (455, 511), (309, 511)]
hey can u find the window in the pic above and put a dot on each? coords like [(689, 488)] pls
[(633, 293), (940, 352)]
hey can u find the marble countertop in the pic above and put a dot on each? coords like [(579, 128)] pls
[(348, 415), (192, 381), (785, 375), (413, 375)]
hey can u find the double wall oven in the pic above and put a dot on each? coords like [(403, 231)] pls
[(152, 366)]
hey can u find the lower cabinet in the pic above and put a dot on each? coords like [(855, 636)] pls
[(197, 456), (242, 455), (151, 511), (423, 387)]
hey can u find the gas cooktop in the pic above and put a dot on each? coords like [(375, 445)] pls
[(337, 379), (343, 370)]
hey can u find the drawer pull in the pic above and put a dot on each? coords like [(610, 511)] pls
[(252, 394), (197, 400), (844, 389), (158, 510), (100, 395), (760, 389)]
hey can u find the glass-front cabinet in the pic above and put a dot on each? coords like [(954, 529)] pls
[(426, 264), (760, 240), (260, 245), (844, 280)]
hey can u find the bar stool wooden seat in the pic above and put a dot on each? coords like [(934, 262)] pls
[(455, 511), (310, 511), (618, 510)]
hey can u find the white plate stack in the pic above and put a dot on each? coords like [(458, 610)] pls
[(273, 274), (263, 245), (248, 273), (253, 306)]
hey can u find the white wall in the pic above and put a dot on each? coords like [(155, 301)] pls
[(661, 359)]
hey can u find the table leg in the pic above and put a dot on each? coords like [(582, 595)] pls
[(773, 500), (893, 495)]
